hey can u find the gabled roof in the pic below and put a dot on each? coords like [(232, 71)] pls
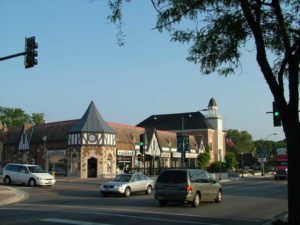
[(91, 121), (172, 122)]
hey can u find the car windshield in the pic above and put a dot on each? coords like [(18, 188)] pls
[(175, 176), (123, 178), (36, 169)]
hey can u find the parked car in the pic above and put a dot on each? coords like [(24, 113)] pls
[(127, 183), (26, 174), (187, 186)]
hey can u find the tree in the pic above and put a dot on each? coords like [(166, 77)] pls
[(230, 160), (218, 30), (13, 117), (37, 118), (242, 142), (204, 158)]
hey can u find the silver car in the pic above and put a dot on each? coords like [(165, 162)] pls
[(127, 183)]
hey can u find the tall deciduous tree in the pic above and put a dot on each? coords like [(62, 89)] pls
[(218, 30), (242, 142), (12, 117)]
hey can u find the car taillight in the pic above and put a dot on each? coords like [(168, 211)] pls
[(189, 188)]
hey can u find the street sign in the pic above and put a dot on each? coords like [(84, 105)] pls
[(261, 160)]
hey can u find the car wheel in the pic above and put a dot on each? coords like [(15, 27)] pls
[(219, 196), (7, 180), (196, 200), (127, 192), (104, 194), (162, 203), (32, 182), (149, 190)]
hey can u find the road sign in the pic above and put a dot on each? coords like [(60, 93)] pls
[(261, 160)]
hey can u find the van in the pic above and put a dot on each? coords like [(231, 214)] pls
[(187, 186), (31, 175)]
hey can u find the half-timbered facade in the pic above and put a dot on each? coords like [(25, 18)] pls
[(92, 147)]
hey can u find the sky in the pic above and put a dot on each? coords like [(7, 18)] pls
[(79, 61)]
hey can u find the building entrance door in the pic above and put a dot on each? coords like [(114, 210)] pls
[(92, 167)]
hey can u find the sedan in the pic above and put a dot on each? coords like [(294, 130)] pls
[(127, 183)]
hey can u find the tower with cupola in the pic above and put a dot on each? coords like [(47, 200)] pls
[(215, 120)]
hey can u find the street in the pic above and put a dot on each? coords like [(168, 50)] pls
[(247, 201)]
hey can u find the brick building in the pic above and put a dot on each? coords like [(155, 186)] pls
[(92, 147)]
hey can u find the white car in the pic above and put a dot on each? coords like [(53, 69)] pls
[(127, 183), (26, 174)]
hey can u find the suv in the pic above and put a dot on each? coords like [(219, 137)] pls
[(26, 174), (186, 185)]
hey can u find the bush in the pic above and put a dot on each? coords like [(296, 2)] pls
[(215, 167)]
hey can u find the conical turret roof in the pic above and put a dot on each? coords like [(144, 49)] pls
[(212, 103), (91, 121)]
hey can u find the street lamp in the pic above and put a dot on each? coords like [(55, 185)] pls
[(182, 137), (242, 164), (263, 158), (220, 152), (45, 153)]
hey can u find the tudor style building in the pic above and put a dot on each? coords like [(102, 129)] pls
[(91, 147), (208, 127)]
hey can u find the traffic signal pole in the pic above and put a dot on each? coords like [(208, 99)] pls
[(12, 56), (30, 53)]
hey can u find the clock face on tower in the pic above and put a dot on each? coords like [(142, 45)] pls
[(92, 137)]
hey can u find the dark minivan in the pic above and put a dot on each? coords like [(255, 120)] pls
[(186, 185)]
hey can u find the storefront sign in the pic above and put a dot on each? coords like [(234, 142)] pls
[(165, 154), (177, 154), (125, 153), (58, 152), (191, 155)]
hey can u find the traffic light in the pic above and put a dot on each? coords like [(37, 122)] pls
[(276, 116), (30, 52), (142, 143)]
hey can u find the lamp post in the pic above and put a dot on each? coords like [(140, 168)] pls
[(263, 158), (242, 164), (45, 153), (182, 137), (220, 152)]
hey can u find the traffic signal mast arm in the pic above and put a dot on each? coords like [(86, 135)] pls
[(30, 53), (12, 56)]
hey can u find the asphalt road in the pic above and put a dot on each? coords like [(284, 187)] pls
[(249, 201)]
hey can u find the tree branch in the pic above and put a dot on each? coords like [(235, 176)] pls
[(177, 18), (261, 52), (282, 27)]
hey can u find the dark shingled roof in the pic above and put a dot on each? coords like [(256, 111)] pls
[(212, 102), (91, 121), (192, 120)]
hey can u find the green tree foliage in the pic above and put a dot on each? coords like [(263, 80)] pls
[(37, 118), (218, 32), (12, 117), (230, 160), (242, 142), (204, 158)]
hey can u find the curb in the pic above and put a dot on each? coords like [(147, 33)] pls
[(282, 216), (18, 196)]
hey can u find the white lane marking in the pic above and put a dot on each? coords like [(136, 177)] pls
[(142, 211), (118, 215), (75, 222)]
